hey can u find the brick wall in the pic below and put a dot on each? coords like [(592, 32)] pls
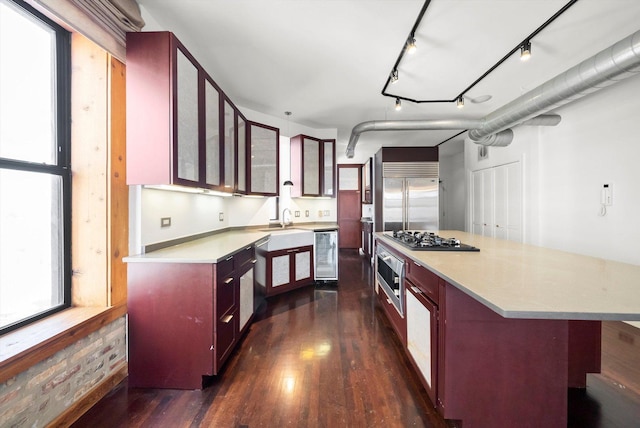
[(37, 396)]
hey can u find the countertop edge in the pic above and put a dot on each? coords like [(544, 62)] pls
[(514, 314)]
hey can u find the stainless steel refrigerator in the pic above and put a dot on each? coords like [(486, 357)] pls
[(410, 203)]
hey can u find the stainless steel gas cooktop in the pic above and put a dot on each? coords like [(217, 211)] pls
[(428, 241)]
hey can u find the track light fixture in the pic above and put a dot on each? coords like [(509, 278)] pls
[(460, 102), (398, 104), (411, 45), (394, 76), (525, 51)]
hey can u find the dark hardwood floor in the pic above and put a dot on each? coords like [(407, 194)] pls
[(324, 356)]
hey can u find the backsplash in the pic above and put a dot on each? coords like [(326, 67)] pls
[(167, 215)]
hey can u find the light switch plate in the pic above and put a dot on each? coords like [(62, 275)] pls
[(221, 216), (297, 213), (165, 222)]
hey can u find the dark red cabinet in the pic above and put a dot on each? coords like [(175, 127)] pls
[(313, 166), (183, 319), (181, 127), (288, 269)]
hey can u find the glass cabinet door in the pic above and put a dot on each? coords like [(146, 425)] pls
[(212, 134), (242, 155), (311, 167), (187, 117), (329, 168), (263, 159), (229, 126)]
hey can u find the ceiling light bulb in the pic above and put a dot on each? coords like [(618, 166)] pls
[(411, 45), (394, 76), (398, 104), (460, 102), (525, 51)]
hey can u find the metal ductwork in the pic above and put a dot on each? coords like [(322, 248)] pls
[(611, 65)]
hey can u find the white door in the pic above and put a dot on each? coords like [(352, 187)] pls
[(497, 202)]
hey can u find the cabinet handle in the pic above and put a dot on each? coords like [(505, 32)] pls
[(416, 290), (293, 251), (227, 319), (248, 248), (416, 263), (253, 262), (228, 258), (388, 300), (228, 280)]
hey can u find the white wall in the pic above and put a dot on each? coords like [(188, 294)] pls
[(596, 143)]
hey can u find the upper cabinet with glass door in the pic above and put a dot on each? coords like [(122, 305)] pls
[(312, 166), (163, 137), (264, 152), (181, 127)]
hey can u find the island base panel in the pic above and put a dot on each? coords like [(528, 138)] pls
[(585, 351), (499, 372), (170, 324)]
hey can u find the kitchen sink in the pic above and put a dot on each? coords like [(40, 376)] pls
[(288, 237)]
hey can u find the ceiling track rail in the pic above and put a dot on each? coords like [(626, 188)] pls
[(486, 73)]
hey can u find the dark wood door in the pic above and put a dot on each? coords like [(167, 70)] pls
[(349, 205)]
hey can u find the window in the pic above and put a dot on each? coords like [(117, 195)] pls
[(35, 196)]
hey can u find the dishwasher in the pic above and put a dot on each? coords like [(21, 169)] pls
[(325, 250)]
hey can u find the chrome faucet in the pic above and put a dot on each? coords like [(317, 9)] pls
[(284, 222)]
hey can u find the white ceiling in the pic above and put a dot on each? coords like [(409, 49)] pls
[(327, 61)]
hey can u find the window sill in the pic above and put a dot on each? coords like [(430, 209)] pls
[(29, 345)]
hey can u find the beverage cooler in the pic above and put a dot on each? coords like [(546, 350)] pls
[(325, 249)]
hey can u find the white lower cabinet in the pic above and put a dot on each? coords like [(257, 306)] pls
[(421, 316)]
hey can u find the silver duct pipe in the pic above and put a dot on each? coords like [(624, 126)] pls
[(613, 64), (499, 139)]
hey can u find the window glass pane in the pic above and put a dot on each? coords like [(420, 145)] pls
[(27, 67), (31, 248)]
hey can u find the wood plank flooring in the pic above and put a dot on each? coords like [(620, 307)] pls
[(324, 356)]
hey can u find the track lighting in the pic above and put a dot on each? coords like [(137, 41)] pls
[(398, 104), (460, 102), (394, 76), (411, 45), (525, 51)]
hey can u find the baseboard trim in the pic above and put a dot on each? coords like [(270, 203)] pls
[(80, 407)]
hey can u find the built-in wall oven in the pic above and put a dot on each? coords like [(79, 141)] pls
[(390, 275)]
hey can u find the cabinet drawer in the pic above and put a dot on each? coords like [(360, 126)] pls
[(225, 268), (242, 257), (225, 337), (423, 278), (226, 294)]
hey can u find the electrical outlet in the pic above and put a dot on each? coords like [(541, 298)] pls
[(221, 216), (319, 213), (326, 213), (297, 213), (165, 222), (306, 213)]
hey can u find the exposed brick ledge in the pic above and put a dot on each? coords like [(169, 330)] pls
[(31, 344)]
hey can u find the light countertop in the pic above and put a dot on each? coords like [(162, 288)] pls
[(524, 281), (216, 247)]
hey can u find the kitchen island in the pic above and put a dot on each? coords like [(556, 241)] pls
[(517, 325)]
